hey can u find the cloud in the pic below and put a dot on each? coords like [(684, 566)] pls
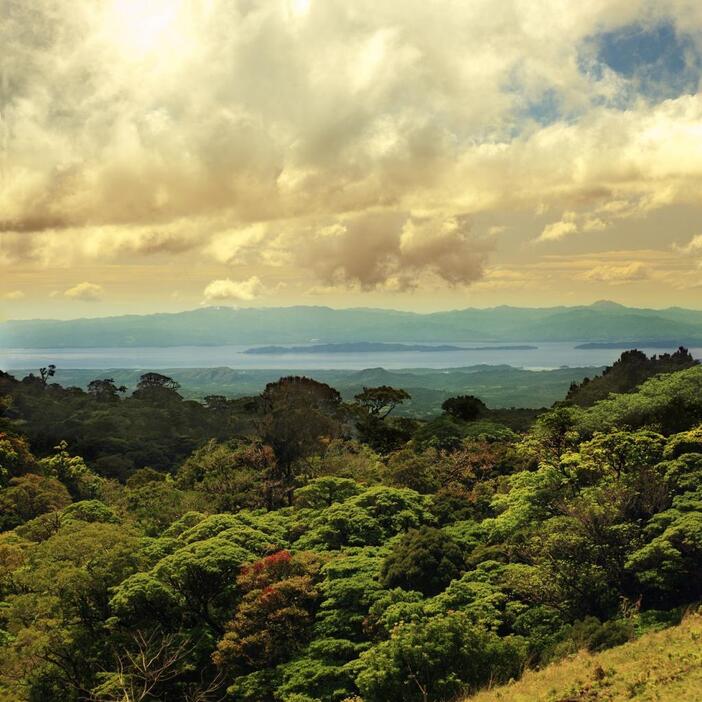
[(693, 247), (13, 295), (86, 292), (593, 219), (242, 245), (502, 278), (392, 111), (395, 251), (558, 230), (615, 275), (349, 143), (227, 289)]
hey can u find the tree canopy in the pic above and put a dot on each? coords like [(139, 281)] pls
[(296, 548)]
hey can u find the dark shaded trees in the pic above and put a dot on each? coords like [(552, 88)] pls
[(467, 408), (626, 374), (381, 401), (105, 390), (29, 496), (231, 476), (157, 388), (298, 416), (425, 559)]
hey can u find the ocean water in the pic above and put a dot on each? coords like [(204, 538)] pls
[(547, 355)]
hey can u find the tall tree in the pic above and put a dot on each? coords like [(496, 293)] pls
[(298, 417), (381, 401)]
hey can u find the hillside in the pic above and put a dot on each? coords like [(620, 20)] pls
[(296, 547), (665, 666), (626, 374), (601, 322)]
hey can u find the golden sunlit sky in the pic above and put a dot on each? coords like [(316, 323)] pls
[(158, 155)]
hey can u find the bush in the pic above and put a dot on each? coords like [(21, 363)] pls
[(437, 659), (593, 635)]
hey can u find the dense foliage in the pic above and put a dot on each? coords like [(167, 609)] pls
[(627, 373), (292, 547)]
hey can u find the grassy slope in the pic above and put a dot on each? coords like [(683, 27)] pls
[(665, 666)]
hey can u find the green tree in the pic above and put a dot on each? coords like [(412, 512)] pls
[(28, 496), (230, 476), (15, 457), (195, 584), (324, 492), (366, 519), (554, 433), (437, 660), (154, 506), (425, 559), (299, 416), (444, 433), (65, 585), (467, 408), (413, 470), (157, 389), (668, 566), (105, 390), (381, 401), (73, 472)]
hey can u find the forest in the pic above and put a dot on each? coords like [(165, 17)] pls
[(296, 546)]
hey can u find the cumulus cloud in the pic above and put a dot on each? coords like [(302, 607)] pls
[(693, 247), (226, 289), (342, 140), (395, 251), (558, 230), (13, 295), (85, 292), (614, 274)]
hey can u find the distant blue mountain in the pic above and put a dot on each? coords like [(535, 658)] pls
[(602, 322)]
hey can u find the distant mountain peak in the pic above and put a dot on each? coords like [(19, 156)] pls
[(607, 305)]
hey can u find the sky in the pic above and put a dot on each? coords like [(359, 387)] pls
[(159, 155)]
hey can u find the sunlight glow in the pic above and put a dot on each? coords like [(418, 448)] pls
[(300, 7), (141, 27)]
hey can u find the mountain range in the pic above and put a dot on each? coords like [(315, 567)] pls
[(602, 321)]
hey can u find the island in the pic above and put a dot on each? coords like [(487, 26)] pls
[(376, 347), (640, 344)]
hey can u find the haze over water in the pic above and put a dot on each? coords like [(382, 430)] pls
[(547, 355)]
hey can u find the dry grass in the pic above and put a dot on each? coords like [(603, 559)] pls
[(664, 666)]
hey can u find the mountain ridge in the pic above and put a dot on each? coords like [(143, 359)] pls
[(209, 326)]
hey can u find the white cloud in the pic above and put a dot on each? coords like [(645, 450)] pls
[(558, 230), (594, 224), (227, 289), (13, 295), (694, 246), (86, 292), (615, 275), (311, 134)]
